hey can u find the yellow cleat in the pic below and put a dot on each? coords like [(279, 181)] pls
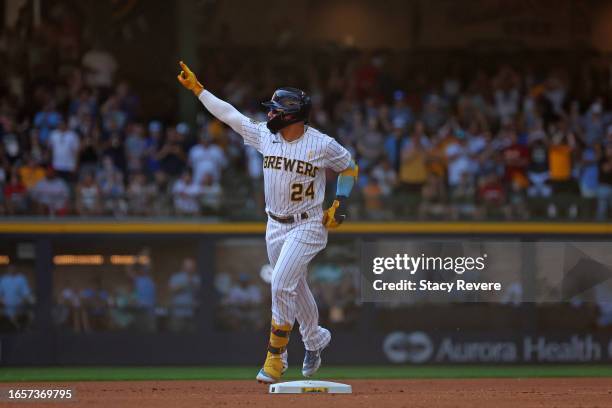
[(275, 363), (272, 369)]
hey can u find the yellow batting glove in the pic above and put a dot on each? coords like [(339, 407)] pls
[(188, 79), (330, 218)]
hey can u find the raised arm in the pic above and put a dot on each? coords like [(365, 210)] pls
[(222, 110)]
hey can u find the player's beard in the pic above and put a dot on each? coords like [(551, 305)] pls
[(279, 121)]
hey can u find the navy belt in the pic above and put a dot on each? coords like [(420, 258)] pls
[(290, 219)]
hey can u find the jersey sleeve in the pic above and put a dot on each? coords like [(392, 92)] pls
[(337, 157), (248, 128), (251, 132)]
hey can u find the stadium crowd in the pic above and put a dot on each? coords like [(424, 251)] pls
[(130, 299), (507, 142)]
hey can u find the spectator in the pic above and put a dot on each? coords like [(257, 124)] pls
[(95, 301), (593, 124), (560, 159), (433, 113), (184, 287), (538, 166), (463, 198), (144, 287), (507, 95), (140, 195), (89, 155), (46, 121), (69, 310), (561, 178), (129, 102), (152, 145), (604, 191), (516, 207), (395, 143), (108, 171), (84, 103), (172, 156), (31, 172), (15, 195), (162, 204), (185, 193), (370, 144), (384, 175), (88, 196), (373, 199), (11, 142), (491, 195), (144, 296), (241, 303), (588, 173), (210, 195), (460, 160), (51, 195), (400, 111), (413, 166), (115, 150), (516, 159), (206, 158), (15, 296), (64, 144), (433, 198), (38, 150), (135, 148), (122, 315), (110, 180), (555, 93)]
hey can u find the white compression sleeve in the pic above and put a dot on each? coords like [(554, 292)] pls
[(222, 110)]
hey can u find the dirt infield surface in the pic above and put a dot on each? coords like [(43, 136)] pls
[(497, 393)]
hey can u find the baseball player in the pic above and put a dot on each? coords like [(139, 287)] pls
[(295, 156)]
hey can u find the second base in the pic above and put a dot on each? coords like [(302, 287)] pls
[(310, 387)]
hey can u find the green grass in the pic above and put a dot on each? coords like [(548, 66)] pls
[(16, 374)]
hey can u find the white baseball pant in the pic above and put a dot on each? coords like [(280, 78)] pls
[(291, 247)]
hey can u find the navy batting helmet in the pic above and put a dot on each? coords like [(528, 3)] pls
[(288, 105)]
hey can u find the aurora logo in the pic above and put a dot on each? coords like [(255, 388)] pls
[(415, 347)]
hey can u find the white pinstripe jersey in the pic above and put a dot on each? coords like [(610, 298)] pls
[(294, 172)]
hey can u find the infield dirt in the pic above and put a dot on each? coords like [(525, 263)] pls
[(498, 393)]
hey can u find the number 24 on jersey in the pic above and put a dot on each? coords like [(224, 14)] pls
[(298, 193)]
